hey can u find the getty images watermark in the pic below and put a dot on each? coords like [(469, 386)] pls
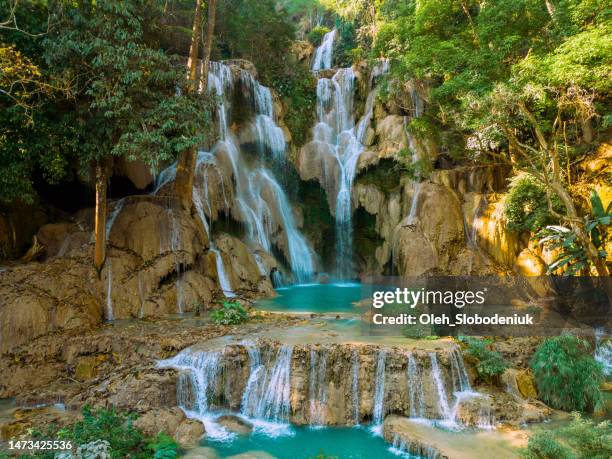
[(483, 305), (458, 299)]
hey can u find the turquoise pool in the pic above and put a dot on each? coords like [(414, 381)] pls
[(333, 297), (306, 443)]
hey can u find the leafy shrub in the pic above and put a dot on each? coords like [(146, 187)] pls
[(231, 313), (567, 375), (582, 439), (491, 364), (526, 207), (297, 87), (115, 428), (572, 258), (315, 36)]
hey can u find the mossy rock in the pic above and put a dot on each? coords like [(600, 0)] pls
[(526, 384)]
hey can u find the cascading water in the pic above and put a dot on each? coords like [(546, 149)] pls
[(336, 128), (324, 53), (443, 407), (415, 389), (317, 387), (252, 201), (379, 392), (267, 392), (113, 216), (603, 350)]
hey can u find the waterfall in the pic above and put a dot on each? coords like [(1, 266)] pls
[(269, 136), (443, 407), (324, 53), (224, 281), (415, 203), (379, 392), (109, 292), (415, 388), (459, 376), (317, 386), (267, 395), (603, 350), (300, 258), (336, 127), (113, 216), (256, 207), (277, 278), (355, 386)]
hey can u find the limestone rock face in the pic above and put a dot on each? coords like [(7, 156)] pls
[(302, 49), (528, 263), (430, 239), (40, 298), (391, 135), (135, 171)]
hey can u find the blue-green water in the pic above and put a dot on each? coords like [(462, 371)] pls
[(316, 298), (305, 443)]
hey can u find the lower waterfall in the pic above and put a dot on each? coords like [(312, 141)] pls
[(276, 386)]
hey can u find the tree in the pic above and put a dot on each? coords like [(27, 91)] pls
[(185, 170), (124, 91)]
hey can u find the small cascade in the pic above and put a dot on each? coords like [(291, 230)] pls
[(317, 386), (603, 350), (268, 389), (415, 388), (379, 392), (414, 205), (270, 137), (224, 281), (113, 216), (300, 258), (324, 53), (486, 420), (413, 450), (461, 381), (443, 407), (277, 278), (355, 386), (109, 292)]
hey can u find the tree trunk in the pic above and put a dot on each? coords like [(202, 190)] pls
[(587, 130), (208, 40), (185, 168), (194, 49), (100, 217)]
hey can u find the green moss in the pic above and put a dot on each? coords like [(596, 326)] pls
[(315, 36), (385, 176)]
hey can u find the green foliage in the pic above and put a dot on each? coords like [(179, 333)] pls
[(118, 430), (567, 375), (572, 258), (257, 31), (297, 87), (582, 439), (315, 36), (230, 313), (95, 85), (491, 364), (526, 207)]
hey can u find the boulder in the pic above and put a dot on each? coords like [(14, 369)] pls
[(166, 420), (391, 134), (189, 432), (528, 263), (235, 424)]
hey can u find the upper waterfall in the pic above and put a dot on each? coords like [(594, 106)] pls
[(324, 53)]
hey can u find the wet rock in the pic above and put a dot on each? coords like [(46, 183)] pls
[(189, 432), (135, 171), (253, 455), (235, 424), (391, 134), (166, 420), (201, 453)]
